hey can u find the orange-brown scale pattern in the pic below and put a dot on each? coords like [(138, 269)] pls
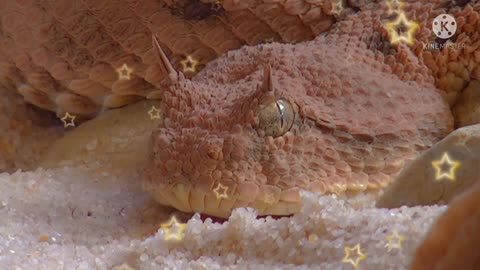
[(62, 55), (357, 121), (208, 135)]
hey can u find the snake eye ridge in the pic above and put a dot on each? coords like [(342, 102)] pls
[(276, 118)]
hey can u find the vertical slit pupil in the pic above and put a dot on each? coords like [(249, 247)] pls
[(281, 114)]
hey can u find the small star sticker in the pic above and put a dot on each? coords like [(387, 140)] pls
[(439, 166), (360, 256), (406, 36), (154, 113), (220, 191), (124, 72), (216, 6), (68, 120), (189, 64), (269, 40), (394, 6), (270, 199), (173, 229), (394, 240), (349, 59), (337, 7), (312, 238)]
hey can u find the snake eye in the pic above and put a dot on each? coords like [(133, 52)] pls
[(276, 118)]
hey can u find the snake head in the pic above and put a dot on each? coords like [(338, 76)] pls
[(259, 124)]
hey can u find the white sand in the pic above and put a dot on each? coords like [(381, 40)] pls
[(46, 225)]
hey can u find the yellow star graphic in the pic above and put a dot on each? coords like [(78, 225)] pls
[(268, 40), (337, 7), (270, 199), (173, 229), (220, 191), (216, 6), (439, 165), (68, 120), (406, 36), (124, 72), (394, 240), (391, 4), (360, 256), (349, 59), (154, 113), (312, 238), (189, 64)]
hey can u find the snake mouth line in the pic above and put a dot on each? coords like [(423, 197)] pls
[(185, 198)]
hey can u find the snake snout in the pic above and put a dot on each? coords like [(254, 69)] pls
[(195, 170)]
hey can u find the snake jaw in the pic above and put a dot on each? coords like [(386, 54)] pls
[(187, 199)]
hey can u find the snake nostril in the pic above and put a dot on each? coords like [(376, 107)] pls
[(211, 148), (213, 154)]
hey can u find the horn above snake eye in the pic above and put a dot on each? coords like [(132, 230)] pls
[(267, 84), (266, 92), (165, 64), (275, 115)]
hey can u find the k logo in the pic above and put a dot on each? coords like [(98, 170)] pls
[(444, 26)]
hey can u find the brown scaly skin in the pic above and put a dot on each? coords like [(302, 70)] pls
[(356, 121), (62, 56), (355, 125)]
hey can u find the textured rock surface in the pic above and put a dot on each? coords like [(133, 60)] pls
[(25, 132), (79, 219), (419, 184), (452, 242)]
